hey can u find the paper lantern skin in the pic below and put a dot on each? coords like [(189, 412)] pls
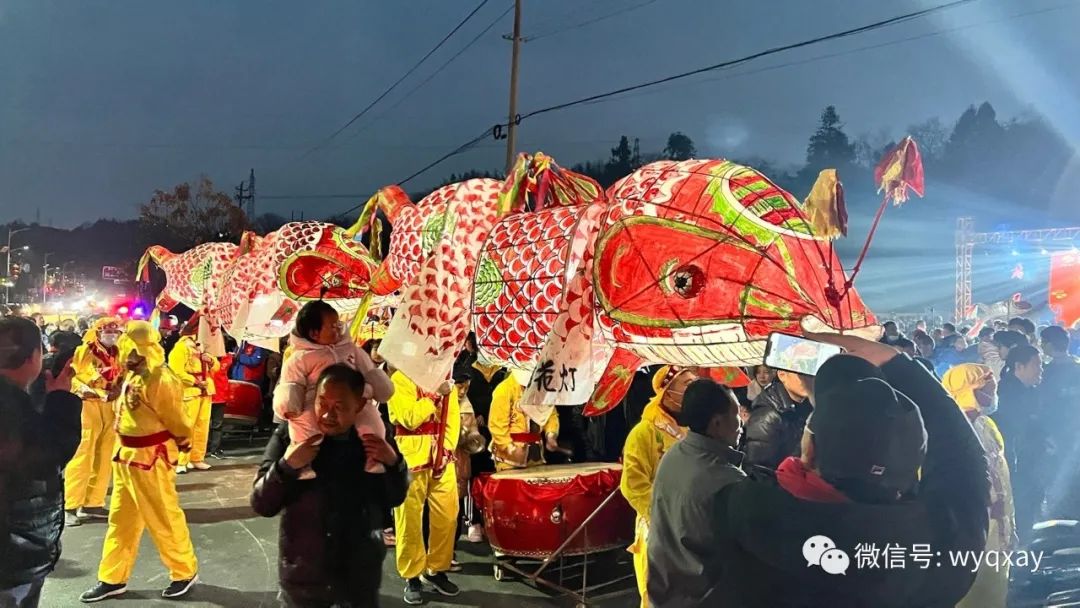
[(301, 261), (434, 248), (470, 205), (698, 261), (191, 277), (1065, 287), (524, 270)]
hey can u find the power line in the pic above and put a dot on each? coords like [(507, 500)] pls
[(399, 80), (917, 37), (860, 49), (437, 71), (587, 22), (725, 64), (772, 51)]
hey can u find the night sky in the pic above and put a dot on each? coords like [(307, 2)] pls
[(101, 101)]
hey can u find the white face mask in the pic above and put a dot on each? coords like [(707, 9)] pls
[(988, 410), (108, 339)]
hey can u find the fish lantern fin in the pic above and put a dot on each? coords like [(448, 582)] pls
[(382, 282), (356, 328), (900, 170), (731, 377), (825, 208), (614, 383)]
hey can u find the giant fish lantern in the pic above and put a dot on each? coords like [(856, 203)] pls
[(461, 210), (432, 255), (260, 294), (695, 263), (192, 278), (526, 283)]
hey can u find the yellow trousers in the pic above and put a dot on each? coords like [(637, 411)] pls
[(86, 476), (441, 496), (146, 499), (641, 558), (197, 409)]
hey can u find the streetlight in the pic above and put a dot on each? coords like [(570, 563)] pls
[(45, 282), (7, 271)]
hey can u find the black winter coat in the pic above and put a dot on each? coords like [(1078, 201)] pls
[(35, 444), (775, 428), (330, 541), (764, 527)]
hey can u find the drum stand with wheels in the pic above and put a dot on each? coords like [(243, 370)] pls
[(566, 564)]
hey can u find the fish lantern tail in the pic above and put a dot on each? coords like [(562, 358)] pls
[(391, 200), (156, 254), (614, 383), (825, 208), (540, 179), (900, 170)]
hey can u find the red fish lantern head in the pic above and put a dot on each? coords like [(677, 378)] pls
[(698, 261)]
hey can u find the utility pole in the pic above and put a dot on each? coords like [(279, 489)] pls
[(45, 283), (245, 193), (511, 127)]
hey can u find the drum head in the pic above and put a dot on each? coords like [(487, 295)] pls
[(550, 472)]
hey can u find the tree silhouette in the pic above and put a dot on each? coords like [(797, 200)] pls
[(829, 145), (679, 147), (186, 216)]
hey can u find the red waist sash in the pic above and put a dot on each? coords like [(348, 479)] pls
[(427, 428), (526, 437), (145, 441)]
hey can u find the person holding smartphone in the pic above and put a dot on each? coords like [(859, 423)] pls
[(887, 459)]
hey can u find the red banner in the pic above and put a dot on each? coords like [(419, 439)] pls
[(1065, 287)]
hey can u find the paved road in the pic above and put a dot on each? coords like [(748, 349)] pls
[(237, 553)]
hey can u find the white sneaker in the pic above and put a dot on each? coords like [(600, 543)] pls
[(476, 533), (198, 466), (181, 469)]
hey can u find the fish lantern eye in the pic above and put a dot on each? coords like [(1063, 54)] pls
[(687, 281)]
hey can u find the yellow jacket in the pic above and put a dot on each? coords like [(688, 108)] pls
[(93, 370), (410, 408), (186, 361), (647, 442), (506, 419), (149, 404)]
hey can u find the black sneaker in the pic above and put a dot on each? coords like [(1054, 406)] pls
[(93, 513), (441, 584), (102, 591), (414, 592), (179, 588)]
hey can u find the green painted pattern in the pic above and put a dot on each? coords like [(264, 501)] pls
[(488, 282)]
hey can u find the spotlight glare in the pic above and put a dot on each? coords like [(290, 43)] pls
[(1015, 252)]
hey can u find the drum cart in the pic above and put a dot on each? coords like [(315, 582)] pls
[(567, 565)]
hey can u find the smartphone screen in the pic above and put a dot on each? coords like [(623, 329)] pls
[(797, 354)]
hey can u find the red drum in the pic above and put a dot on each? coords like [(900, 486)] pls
[(245, 402), (531, 512)]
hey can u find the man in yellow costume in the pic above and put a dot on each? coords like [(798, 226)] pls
[(426, 428), (650, 438), (152, 428), (97, 382), (517, 442), (195, 368)]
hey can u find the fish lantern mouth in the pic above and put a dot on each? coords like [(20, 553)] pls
[(686, 281)]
